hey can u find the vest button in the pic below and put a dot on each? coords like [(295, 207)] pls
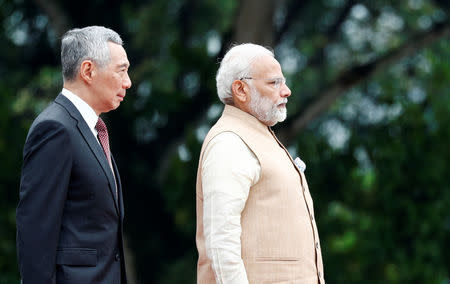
[(317, 245), (117, 256)]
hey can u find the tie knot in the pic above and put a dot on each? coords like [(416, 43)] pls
[(100, 126)]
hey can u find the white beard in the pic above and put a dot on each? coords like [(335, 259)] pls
[(265, 110)]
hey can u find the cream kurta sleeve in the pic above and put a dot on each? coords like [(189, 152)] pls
[(229, 169)]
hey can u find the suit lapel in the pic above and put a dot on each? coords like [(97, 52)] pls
[(93, 143), (119, 187), (101, 158)]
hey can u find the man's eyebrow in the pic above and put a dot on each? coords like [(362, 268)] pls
[(275, 77), (124, 65)]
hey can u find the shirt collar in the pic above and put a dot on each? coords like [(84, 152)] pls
[(85, 110)]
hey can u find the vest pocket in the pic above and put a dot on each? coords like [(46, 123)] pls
[(76, 256)]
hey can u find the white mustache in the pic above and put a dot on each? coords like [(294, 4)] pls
[(283, 101)]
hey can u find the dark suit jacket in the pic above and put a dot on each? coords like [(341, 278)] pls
[(69, 221)]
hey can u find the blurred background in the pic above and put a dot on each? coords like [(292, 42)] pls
[(369, 114)]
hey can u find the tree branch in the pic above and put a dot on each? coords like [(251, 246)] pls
[(294, 9), (57, 18), (331, 34), (356, 75), (443, 4)]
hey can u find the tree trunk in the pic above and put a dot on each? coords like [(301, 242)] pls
[(255, 22), (354, 76)]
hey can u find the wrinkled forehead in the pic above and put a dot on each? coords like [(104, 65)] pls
[(118, 54), (266, 67)]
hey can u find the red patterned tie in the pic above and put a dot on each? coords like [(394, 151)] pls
[(104, 141), (103, 138)]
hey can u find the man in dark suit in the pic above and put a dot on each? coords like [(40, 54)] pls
[(70, 213)]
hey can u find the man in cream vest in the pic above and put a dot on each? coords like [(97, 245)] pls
[(255, 217)]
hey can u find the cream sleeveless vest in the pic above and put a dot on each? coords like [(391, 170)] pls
[(280, 242)]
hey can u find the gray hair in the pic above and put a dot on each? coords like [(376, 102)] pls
[(89, 43), (236, 64)]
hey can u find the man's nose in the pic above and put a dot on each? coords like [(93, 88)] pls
[(127, 82), (285, 91)]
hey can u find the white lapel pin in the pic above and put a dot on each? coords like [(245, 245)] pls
[(300, 164)]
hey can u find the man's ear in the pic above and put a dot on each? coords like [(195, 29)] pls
[(241, 92), (87, 71)]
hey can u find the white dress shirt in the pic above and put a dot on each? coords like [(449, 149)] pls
[(229, 169), (89, 115), (86, 111)]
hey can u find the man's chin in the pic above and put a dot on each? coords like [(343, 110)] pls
[(282, 115), (275, 121)]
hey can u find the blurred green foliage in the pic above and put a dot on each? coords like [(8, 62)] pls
[(377, 160)]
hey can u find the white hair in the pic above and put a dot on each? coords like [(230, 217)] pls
[(236, 64)]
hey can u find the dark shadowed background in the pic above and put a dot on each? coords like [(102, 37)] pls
[(369, 114)]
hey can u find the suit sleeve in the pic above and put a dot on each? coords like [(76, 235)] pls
[(44, 183)]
